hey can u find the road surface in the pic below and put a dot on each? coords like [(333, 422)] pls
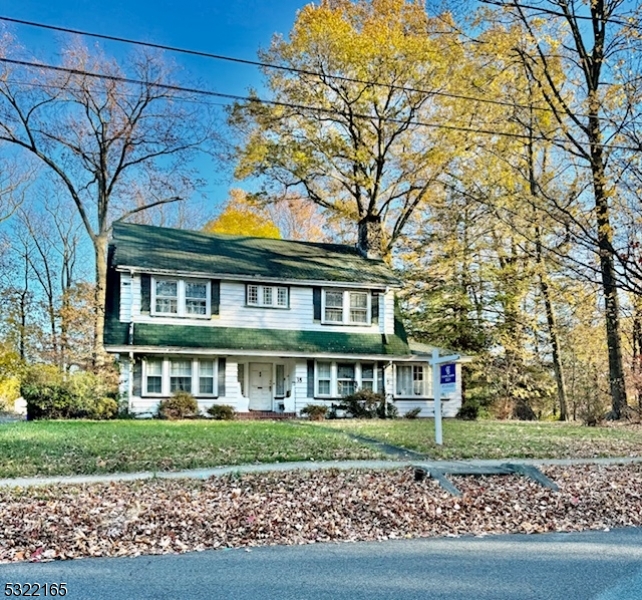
[(590, 565)]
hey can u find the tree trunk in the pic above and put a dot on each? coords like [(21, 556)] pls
[(100, 249), (555, 347), (607, 269), (636, 366)]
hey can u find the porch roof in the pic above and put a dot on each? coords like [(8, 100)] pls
[(271, 340)]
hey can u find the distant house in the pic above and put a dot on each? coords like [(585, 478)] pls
[(258, 324)]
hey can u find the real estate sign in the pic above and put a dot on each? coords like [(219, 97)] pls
[(448, 379)]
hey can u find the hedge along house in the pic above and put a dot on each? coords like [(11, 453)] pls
[(257, 324)]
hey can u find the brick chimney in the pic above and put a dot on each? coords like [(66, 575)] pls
[(370, 240)]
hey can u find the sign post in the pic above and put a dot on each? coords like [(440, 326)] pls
[(444, 381)]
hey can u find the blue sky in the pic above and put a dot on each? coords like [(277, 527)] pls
[(231, 28)]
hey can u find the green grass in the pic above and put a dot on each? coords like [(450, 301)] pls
[(85, 447), (501, 439)]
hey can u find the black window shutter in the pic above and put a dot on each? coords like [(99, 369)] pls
[(215, 299), (316, 301), (310, 379), (375, 307), (137, 388), (221, 377), (145, 292)]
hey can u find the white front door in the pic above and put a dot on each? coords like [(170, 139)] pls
[(260, 386)]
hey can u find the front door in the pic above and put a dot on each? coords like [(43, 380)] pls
[(260, 386)]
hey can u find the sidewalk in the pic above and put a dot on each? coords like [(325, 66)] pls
[(307, 466)]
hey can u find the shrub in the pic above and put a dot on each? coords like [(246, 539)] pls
[(366, 404), (52, 394), (315, 412), (106, 408), (180, 405), (469, 410), (387, 410), (221, 412), (412, 414)]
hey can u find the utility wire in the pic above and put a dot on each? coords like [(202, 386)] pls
[(554, 13), (291, 69), (256, 63), (301, 107)]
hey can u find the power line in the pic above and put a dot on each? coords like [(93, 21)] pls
[(554, 13), (302, 107), (256, 63)]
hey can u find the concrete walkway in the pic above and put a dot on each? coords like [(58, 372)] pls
[(307, 466)]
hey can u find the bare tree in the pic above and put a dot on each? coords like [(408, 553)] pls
[(110, 134), (587, 42)]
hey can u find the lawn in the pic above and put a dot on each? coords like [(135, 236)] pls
[(83, 447), (501, 439)]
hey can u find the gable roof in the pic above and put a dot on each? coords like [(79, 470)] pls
[(143, 247)]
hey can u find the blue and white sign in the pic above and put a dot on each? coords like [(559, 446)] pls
[(448, 378)]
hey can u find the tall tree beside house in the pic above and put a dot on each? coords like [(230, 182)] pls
[(103, 137), (356, 80), (593, 108), (241, 216)]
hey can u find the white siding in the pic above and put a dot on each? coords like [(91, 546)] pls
[(388, 309), (135, 310), (125, 297), (234, 313), (300, 386)]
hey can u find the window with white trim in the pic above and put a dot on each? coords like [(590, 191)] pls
[(367, 376), (166, 301), (279, 384), (338, 379), (196, 298), (267, 296), (181, 298), (324, 378), (154, 376), (346, 307), (206, 377), (180, 376), (346, 379), (411, 380), (164, 376)]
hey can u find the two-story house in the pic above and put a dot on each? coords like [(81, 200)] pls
[(258, 324)]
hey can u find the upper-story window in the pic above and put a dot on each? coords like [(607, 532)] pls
[(180, 297), (268, 296), (346, 307)]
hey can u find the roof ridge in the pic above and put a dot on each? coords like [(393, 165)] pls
[(222, 236)]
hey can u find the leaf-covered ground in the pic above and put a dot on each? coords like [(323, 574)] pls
[(163, 516)]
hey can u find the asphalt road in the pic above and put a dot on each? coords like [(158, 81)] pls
[(590, 565)]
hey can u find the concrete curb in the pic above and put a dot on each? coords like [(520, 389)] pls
[(304, 465)]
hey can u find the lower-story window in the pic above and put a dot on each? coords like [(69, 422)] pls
[(367, 376), (206, 372), (165, 376), (324, 378), (346, 382), (154, 376), (180, 376), (411, 380), (338, 379)]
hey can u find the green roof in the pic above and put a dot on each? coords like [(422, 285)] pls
[(238, 338), (144, 247)]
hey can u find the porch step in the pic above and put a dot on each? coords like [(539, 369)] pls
[(264, 415)]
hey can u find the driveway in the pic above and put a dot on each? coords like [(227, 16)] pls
[(580, 566)]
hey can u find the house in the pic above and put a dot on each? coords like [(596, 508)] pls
[(258, 324)]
